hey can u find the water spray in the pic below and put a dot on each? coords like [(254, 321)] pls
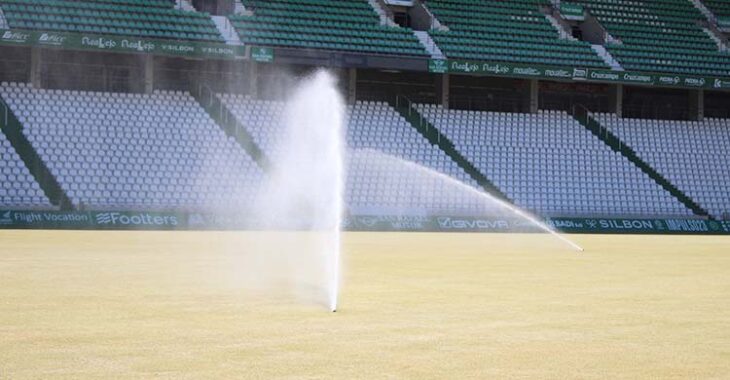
[(305, 187), (393, 161)]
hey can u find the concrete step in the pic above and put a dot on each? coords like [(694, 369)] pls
[(384, 19), (3, 21), (238, 8), (429, 44), (721, 44), (607, 57), (564, 34), (226, 30), (185, 5), (705, 11)]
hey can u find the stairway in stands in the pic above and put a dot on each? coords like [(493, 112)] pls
[(33, 176), (549, 164), (429, 44), (587, 120), (231, 124), (411, 113), (3, 21), (691, 155)]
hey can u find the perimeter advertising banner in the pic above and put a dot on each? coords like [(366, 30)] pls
[(92, 220), (576, 74), (568, 225), (142, 220), (121, 44)]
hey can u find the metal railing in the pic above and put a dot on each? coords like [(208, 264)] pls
[(228, 121), (210, 101), (584, 115), (4, 117), (423, 125)]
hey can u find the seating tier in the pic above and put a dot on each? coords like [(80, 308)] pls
[(551, 165), (150, 19)]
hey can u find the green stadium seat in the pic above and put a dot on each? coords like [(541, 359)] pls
[(140, 18), (506, 31), (660, 36), (346, 25)]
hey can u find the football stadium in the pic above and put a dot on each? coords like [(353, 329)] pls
[(365, 189)]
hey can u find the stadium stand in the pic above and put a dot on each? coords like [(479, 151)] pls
[(381, 145), (548, 163), (129, 151), (659, 36), (718, 7), (139, 18), (350, 25), (692, 155), (18, 188), (506, 31)]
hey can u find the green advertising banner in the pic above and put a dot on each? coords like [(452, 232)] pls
[(439, 66), (142, 220), (92, 220), (120, 44), (572, 11), (262, 54), (567, 225), (512, 70), (576, 74)]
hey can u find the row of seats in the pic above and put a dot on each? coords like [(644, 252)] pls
[(720, 8), (656, 36), (346, 25), (691, 155), (551, 165), (163, 152), (153, 19), (659, 36), (506, 31), (160, 151)]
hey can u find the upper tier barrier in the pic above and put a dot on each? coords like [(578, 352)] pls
[(578, 74), (121, 44)]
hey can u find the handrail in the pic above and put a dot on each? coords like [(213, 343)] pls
[(423, 124), (207, 95), (582, 113), (225, 118), (5, 114)]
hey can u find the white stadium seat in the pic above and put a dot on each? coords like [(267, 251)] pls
[(551, 165), (691, 155), (381, 144), (132, 151)]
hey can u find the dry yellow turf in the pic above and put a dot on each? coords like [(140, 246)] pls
[(439, 306)]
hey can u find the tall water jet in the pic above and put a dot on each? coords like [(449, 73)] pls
[(305, 188)]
